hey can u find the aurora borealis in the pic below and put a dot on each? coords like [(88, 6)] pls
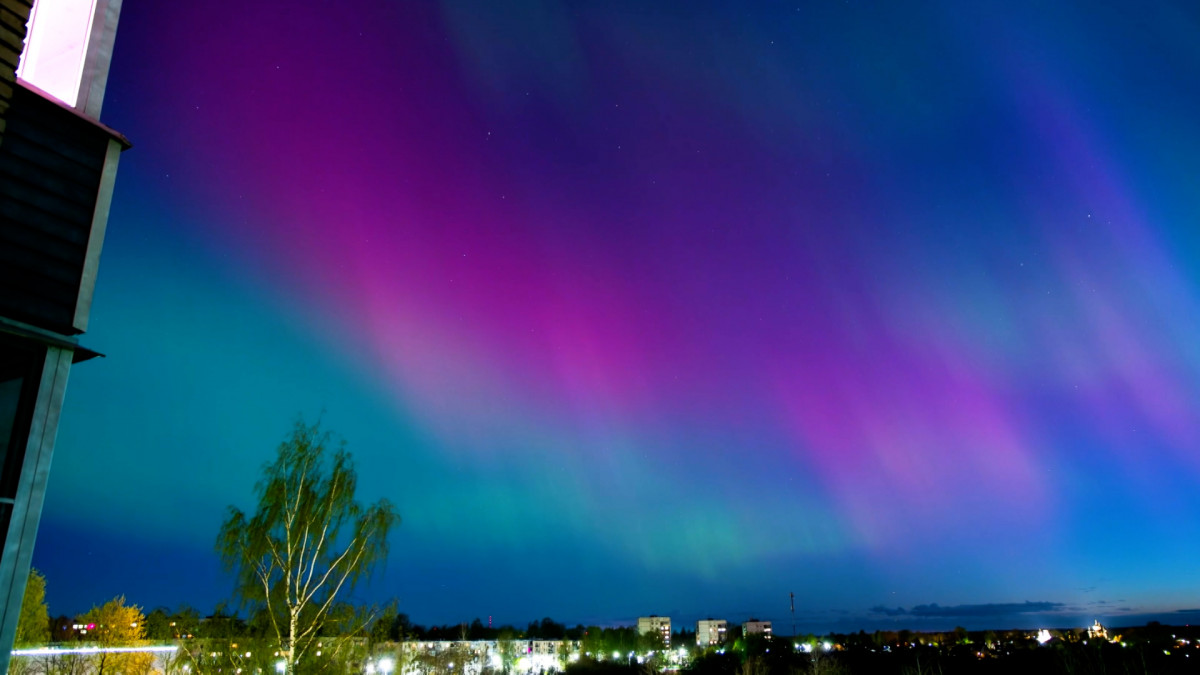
[(640, 307)]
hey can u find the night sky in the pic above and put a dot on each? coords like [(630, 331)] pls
[(649, 307)]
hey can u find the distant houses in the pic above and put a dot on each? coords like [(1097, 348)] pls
[(476, 656), (711, 632), (756, 627), (656, 624)]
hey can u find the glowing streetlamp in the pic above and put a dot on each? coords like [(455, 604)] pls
[(386, 665)]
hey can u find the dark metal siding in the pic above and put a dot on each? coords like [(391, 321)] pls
[(50, 166), (14, 14)]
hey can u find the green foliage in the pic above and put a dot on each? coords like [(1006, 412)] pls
[(223, 624), (447, 661), (602, 642), (391, 626), (118, 625), (588, 666), (547, 629), (185, 622), (204, 656), (308, 540), (158, 625), (33, 625), (651, 641), (509, 652), (715, 663)]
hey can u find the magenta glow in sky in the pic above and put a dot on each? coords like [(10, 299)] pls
[(683, 308)]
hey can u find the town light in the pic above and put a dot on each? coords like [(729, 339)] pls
[(386, 665), (280, 666), (55, 651)]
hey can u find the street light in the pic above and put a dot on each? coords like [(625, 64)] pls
[(386, 665), (281, 666)]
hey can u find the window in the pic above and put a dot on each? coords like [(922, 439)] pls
[(20, 372), (56, 47)]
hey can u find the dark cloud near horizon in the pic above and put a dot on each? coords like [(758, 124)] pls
[(987, 609)]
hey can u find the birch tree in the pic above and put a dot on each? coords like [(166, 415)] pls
[(307, 542)]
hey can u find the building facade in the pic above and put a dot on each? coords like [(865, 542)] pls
[(656, 624), (58, 165), (472, 657), (711, 632), (756, 627)]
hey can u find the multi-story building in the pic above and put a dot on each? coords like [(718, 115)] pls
[(656, 624), (58, 165), (710, 632), (756, 627), (472, 657)]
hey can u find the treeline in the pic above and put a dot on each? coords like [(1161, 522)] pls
[(396, 627), (594, 639), (1152, 649), (163, 624)]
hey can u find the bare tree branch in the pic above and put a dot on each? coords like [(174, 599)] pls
[(307, 542)]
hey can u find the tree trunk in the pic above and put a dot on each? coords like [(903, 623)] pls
[(294, 620)]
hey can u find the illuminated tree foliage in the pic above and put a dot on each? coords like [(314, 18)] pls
[(118, 625), (308, 540), (33, 625)]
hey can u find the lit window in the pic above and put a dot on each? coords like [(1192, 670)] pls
[(56, 47)]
